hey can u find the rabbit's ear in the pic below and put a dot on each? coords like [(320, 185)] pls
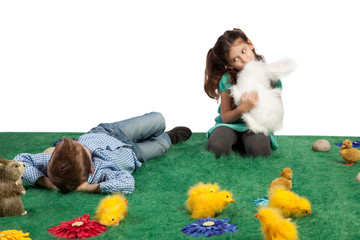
[(281, 68)]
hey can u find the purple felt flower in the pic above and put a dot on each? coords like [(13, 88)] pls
[(206, 227)]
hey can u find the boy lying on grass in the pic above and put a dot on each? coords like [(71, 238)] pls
[(103, 159)]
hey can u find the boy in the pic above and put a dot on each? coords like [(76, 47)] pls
[(103, 159)]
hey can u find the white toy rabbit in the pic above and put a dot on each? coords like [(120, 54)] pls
[(267, 115)]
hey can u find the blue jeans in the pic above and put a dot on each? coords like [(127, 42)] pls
[(144, 133)]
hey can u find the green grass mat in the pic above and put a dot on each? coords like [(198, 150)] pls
[(157, 210)]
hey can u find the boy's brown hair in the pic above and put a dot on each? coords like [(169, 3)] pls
[(69, 165)]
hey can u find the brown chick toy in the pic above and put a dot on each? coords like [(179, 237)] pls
[(205, 200), (283, 181), (348, 153), (275, 226)]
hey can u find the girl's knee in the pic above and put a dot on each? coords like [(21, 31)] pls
[(261, 149), (257, 144), (218, 147), (221, 141)]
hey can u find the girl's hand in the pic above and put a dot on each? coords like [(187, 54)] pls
[(248, 101), (228, 114)]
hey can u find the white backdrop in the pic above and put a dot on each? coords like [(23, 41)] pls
[(69, 65)]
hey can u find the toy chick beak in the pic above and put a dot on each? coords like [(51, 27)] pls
[(343, 146), (256, 215), (232, 200), (309, 212)]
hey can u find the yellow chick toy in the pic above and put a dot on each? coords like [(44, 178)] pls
[(274, 226), (289, 203), (348, 153), (203, 188), (205, 200), (283, 181), (112, 209)]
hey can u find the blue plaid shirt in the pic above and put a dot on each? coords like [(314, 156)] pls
[(113, 162)]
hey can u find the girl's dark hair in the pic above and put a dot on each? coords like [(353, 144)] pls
[(69, 165), (218, 57)]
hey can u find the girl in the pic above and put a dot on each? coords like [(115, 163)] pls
[(228, 57)]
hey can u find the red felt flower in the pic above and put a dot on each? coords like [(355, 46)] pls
[(80, 227)]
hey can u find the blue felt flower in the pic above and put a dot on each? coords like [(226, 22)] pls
[(206, 227), (355, 143), (262, 202)]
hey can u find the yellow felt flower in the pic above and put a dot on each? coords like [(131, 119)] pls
[(14, 235)]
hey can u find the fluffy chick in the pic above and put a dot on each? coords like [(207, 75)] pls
[(274, 226), (112, 209), (348, 153), (289, 203), (200, 189), (283, 181), (205, 200), (204, 188)]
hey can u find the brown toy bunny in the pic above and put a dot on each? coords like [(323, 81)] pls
[(11, 188)]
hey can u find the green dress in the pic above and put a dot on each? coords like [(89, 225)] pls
[(239, 125)]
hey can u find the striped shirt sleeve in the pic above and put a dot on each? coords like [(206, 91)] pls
[(117, 181), (35, 166)]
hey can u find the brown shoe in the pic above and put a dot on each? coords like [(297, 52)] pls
[(179, 134)]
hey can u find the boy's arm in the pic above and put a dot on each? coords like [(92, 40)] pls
[(86, 187), (113, 181), (119, 181), (46, 183), (35, 167)]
